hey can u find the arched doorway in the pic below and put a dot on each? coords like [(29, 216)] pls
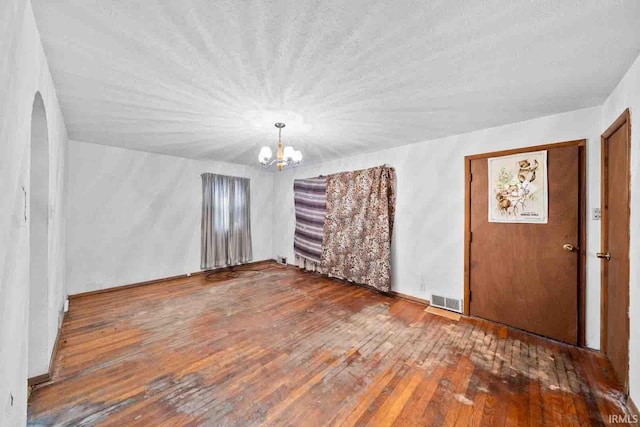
[(38, 362)]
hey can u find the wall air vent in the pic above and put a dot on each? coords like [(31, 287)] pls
[(452, 304), (282, 260)]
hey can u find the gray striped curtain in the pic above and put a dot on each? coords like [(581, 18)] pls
[(226, 221), (310, 198)]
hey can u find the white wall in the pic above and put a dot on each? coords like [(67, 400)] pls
[(23, 72), (135, 216), (427, 252), (627, 95)]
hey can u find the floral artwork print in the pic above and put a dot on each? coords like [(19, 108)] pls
[(358, 227), (518, 188)]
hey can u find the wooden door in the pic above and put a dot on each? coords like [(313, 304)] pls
[(615, 246), (523, 275)]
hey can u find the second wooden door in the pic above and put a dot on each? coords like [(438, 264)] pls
[(615, 246)]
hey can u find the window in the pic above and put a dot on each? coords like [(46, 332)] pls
[(226, 221)]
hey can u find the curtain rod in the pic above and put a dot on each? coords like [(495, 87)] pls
[(386, 165)]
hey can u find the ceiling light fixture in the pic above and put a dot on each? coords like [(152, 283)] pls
[(285, 156)]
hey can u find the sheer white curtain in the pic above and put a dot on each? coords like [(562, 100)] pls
[(226, 221)]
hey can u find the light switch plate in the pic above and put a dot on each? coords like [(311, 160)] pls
[(595, 214)]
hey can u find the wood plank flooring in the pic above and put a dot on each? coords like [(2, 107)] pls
[(284, 347)]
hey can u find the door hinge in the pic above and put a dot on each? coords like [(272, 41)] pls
[(470, 293), (470, 237), (470, 177)]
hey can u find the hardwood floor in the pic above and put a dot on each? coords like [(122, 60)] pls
[(284, 347)]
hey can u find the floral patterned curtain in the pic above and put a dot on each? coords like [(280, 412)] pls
[(356, 245)]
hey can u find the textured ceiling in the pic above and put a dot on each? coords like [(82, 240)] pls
[(207, 79)]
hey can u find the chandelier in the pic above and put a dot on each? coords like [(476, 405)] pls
[(285, 156)]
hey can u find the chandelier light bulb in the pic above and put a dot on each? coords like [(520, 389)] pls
[(265, 154)]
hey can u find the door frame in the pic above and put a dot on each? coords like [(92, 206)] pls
[(623, 118), (582, 237)]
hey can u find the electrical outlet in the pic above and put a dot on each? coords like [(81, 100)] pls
[(596, 215)]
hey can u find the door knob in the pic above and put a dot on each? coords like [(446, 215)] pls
[(604, 255), (569, 247)]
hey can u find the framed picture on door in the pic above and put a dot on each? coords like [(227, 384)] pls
[(518, 188)]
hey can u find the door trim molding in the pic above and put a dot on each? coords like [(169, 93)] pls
[(624, 118), (581, 144)]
